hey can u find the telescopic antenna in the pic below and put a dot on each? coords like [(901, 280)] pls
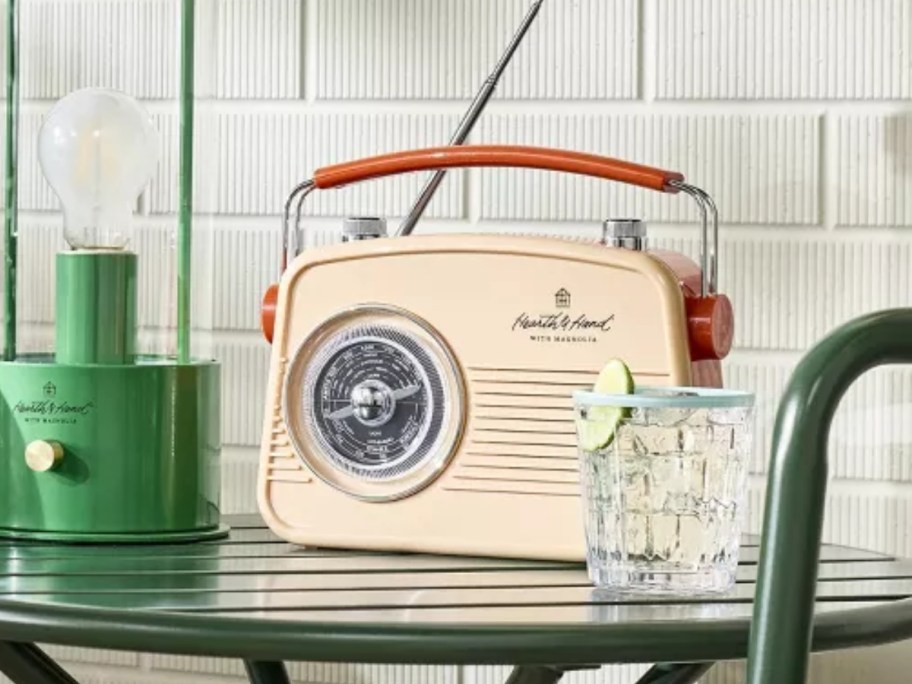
[(470, 118)]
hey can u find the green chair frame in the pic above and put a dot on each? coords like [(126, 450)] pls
[(782, 621)]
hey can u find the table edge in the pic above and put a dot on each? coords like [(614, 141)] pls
[(418, 643)]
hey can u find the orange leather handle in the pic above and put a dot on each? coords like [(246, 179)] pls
[(496, 155)]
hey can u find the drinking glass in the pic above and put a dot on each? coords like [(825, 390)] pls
[(663, 489)]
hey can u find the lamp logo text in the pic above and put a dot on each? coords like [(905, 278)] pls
[(52, 412)]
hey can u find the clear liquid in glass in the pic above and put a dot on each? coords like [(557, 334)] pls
[(664, 501)]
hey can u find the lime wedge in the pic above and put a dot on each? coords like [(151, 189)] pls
[(614, 378), (597, 430)]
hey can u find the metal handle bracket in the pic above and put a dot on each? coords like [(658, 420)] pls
[(410, 161)]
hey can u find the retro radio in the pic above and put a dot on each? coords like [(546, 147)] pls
[(419, 396)]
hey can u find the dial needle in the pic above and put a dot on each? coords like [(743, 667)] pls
[(342, 413), (406, 392), (398, 395)]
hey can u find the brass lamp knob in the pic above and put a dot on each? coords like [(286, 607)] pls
[(42, 456)]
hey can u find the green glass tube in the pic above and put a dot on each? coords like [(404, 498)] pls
[(10, 223), (185, 214)]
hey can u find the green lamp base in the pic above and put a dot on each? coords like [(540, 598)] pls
[(136, 538), (109, 453)]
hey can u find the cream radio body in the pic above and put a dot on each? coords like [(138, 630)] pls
[(419, 396)]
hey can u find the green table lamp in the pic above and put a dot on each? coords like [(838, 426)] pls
[(101, 443)]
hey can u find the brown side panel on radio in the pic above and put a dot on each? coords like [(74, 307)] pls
[(710, 320), (528, 321)]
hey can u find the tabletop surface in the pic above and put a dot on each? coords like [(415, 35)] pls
[(254, 586)]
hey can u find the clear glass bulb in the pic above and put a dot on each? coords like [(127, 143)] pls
[(98, 150)]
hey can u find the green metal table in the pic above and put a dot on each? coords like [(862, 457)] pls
[(252, 596)]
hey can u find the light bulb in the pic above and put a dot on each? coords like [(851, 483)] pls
[(98, 150)]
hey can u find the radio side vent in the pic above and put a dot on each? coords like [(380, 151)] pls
[(284, 465), (521, 438)]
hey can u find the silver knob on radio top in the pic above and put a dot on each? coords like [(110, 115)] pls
[(363, 228), (624, 233)]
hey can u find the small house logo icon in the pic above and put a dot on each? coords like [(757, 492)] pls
[(562, 299), (50, 389)]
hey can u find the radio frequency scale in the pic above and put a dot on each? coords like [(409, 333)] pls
[(420, 387)]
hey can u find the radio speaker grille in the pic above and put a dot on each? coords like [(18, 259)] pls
[(522, 438), (284, 465)]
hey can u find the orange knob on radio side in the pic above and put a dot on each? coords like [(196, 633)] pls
[(268, 312), (711, 327)]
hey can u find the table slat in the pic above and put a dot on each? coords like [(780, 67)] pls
[(444, 597), (109, 561), (266, 582), (541, 615)]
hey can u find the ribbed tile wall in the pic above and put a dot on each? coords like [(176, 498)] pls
[(759, 169), (443, 49), (255, 51), (783, 49), (85, 655), (259, 49), (282, 149), (793, 114), (873, 174), (131, 46), (247, 261), (789, 292), (498, 675), (35, 194), (246, 367), (324, 673)]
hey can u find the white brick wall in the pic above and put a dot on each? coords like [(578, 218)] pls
[(796, 115)]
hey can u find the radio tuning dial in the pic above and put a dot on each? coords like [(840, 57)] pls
[(373, 403)]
